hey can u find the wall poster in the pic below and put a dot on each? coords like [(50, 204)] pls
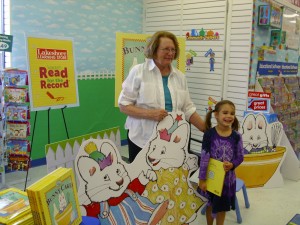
[(52, 76), (130, 51)]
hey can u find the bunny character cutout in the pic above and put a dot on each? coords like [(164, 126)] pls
[(171, 166), (108, 193)]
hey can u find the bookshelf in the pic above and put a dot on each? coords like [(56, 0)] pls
[(285, 102)]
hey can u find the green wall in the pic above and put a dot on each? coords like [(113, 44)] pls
[(95, 113)]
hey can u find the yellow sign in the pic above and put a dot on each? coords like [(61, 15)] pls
[(130, 51), (52, 77), (215, 177)]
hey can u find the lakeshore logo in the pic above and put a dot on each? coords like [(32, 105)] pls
[(51, 54)]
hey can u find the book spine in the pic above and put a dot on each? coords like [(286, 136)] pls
[(78, 220), (40, 208), (33, 206)]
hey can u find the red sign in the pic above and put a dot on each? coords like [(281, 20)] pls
[(255, 94), (51, 54), (259, 105)]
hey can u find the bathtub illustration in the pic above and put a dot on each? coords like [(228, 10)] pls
[(13, 207), (64, 218), (257, 169)]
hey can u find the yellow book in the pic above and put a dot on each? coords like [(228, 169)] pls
[(57, 198), (34, 211), (26, 220), (14, 204), (215, 177), (40, 186), (32, 192)]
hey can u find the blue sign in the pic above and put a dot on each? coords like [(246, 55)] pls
[(265, 68)]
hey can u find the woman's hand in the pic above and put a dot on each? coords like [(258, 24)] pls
[(227, 166), (149, 114), (202, 185), (158, 114)]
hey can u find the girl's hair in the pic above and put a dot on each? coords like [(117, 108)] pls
[(235, 124), (152, 46)]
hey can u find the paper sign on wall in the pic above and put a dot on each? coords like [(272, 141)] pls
[(258, 101)]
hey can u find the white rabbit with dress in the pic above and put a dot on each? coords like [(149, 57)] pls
[(171, 167)]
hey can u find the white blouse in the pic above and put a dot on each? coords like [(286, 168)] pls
[(143, 88)]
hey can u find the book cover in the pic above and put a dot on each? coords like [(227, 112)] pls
[(14, 205), (34, 197), (15, 77), (56, 198), (215, 177)]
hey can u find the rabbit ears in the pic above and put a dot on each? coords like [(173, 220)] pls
[(254, 122), (173, 129)]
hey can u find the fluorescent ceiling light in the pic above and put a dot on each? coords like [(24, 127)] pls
[(293, 21), (290, 15)]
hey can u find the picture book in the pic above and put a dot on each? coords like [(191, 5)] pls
[(15, 77), (17, 130), (55, 199), (14, 205), (21, 147), (17, 112), (32, 191), (16, 95), (215, 177)]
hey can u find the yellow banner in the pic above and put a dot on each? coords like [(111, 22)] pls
[(130, 51), (52, 77)]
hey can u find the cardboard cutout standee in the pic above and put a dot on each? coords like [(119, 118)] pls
[(154, 188), (263, 156)]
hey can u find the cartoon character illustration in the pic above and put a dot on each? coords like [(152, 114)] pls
[(9, 113), (254, 133), (189, 61), (14, 80), (171, 164), (212, 61), (211, 102), (62, 202), (189, 58), (64, 214), (106, 190)]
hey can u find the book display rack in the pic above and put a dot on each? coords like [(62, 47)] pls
[(285, 101), (15, 125)]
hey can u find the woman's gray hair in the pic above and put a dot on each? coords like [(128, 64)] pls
[(152, 45)]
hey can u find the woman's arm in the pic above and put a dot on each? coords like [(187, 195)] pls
[(197, 121), (141, 113)]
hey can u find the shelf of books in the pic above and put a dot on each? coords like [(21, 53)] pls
[(15, 123), (285, 101)]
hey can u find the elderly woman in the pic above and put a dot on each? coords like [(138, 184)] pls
[(154, 88)]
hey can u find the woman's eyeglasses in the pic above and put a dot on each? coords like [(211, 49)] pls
[(167, 50)]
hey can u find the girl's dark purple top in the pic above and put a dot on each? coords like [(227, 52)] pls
[(223, 149)]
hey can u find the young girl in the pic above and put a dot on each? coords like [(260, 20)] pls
[(222, 143)]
